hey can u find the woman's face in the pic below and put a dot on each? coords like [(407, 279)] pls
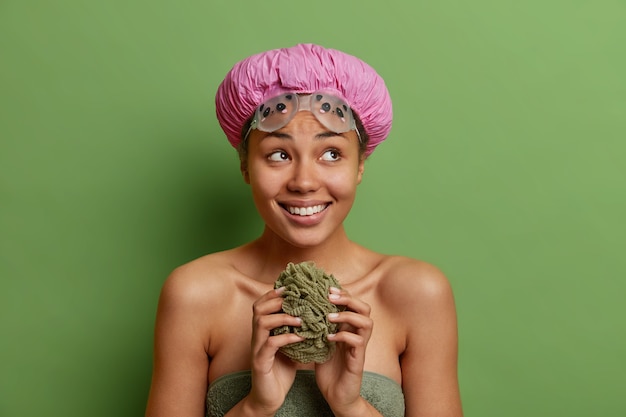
[(303, 179)]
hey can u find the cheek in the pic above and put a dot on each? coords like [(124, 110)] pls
[(343, 183), (260, 186), (264, 183)]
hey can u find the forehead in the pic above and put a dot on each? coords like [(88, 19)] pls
[(302, 132), (303, 125)]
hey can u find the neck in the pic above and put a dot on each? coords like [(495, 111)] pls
[(274, 253)]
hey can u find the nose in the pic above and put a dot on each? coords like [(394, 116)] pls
[(304, 177)]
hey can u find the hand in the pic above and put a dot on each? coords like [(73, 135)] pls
[(272, 373), (339, 379)]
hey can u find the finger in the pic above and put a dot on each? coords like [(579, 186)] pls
[(355, 342), (358, 322), (342, 297), (272, 294), (274, 343), (272, 321), (264, 324), (265, 353), (270, 302)]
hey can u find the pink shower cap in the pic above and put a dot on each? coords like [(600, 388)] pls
[(303, 68)]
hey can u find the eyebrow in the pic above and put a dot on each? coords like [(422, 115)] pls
[(319, 136)]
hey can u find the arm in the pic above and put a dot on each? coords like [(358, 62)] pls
[(180, 368), (183, 338), (429, 362)]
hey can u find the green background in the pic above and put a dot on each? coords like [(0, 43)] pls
[(505, 168)]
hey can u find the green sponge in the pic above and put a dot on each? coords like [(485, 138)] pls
[(306, 296)]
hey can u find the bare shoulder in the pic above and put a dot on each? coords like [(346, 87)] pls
[(197, 284), (408, 283), (417, 277)]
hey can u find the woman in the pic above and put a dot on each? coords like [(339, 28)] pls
[(303, 120)]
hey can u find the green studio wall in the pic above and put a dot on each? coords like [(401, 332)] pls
[(505, 168)]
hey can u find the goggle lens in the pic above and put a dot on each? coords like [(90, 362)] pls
[(331, 111)]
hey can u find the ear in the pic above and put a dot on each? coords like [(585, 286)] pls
[(360, 170), (244, 172)]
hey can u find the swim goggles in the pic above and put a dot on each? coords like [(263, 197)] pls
[(331, 111)]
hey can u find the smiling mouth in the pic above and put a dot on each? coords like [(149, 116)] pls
[(306, 211)]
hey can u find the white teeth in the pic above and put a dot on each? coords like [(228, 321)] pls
[(306, 211)]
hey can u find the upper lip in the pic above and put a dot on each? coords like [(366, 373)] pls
[(300, 203)]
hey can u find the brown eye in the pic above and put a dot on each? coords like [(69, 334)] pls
[(278, 156), (331, 155)]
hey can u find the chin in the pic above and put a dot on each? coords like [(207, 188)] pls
[(307, 239), (305, 243)]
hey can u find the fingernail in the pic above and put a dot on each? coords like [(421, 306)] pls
[(279, 290), (331, 335), (333, 315), (334, 296), (335, 290)]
